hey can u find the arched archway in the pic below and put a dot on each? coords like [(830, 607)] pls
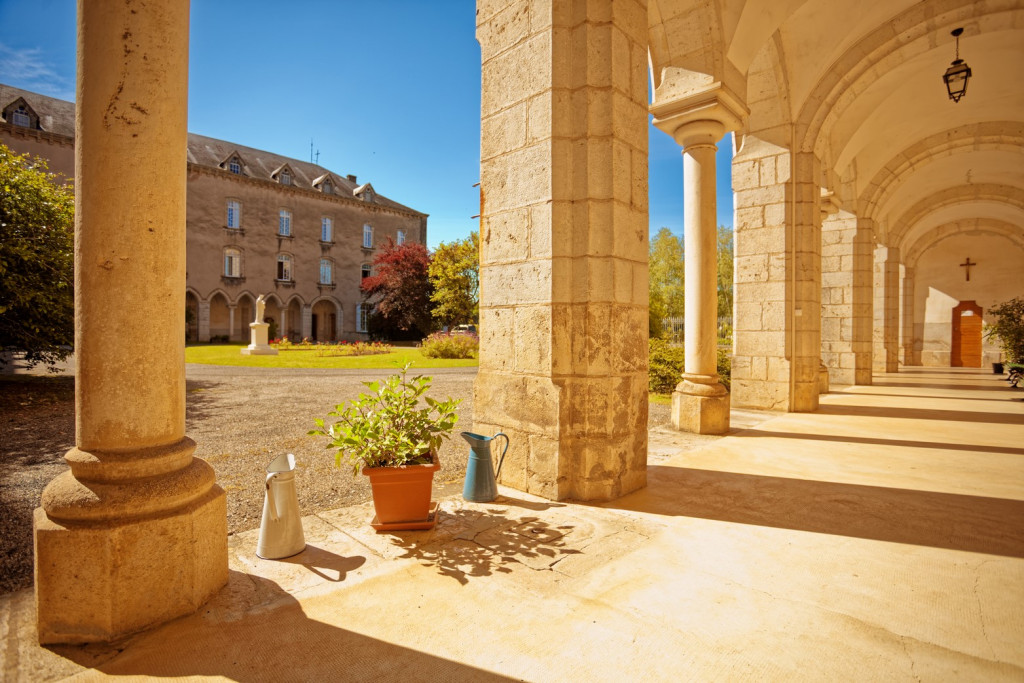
[(245, 311), (191, 317), (273, 315), (326, 318), (292, 319), (220, 318)]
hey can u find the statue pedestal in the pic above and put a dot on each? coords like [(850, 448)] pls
[(258, 345)]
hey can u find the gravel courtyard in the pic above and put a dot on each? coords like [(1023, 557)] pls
[(241, 418)]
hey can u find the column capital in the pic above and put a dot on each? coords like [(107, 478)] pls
[(830, 203), (715, 111)]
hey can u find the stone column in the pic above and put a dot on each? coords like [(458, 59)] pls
[(231, 323), (204, 321), (700, 403), (283, 332), (136, 533), (863, 298), (909, 342), (563, 270), (887, 310)]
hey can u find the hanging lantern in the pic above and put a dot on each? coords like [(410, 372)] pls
[(958, 73)]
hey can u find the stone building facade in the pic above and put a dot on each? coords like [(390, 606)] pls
[(257, 223)]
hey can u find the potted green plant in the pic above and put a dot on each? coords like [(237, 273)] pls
[(393, 438), (1007, 325)]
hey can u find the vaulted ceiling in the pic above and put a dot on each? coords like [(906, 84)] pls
[(860, 85)]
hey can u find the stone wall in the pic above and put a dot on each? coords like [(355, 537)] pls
[(259, 243), (994, 280)]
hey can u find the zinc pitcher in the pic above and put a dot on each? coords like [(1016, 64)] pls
[(481, 480), (281, 528)]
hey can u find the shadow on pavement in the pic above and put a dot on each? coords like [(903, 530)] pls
[(252, 630), (927, 518), (940, 445)]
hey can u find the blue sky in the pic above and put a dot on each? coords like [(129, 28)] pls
[(387, 90)]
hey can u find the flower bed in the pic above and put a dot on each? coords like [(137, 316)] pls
[(328, 349)]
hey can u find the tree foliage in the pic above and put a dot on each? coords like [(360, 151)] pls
[(726, 253), (400, 291), (665, 279), (455, 276), (36, 260)]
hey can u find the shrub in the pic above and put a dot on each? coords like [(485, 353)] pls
[(666, 366), (1008, 328), (725, 367), (451, 345)]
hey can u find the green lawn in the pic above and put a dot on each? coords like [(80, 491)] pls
[(229, 354)]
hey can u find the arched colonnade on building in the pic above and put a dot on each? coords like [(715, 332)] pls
[(219, 316)]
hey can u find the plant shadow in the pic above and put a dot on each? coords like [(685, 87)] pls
[(477, 541)]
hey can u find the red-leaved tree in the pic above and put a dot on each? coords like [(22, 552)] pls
[(399, 290)]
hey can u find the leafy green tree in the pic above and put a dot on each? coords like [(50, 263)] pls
[(37, 309), (726, 253), (666, 279), (1008, 328), (455, 275)]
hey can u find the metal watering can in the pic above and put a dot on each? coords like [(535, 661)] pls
[(281, 527), (481, 481)]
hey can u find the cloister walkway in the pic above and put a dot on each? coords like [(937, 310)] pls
[(881, 538)]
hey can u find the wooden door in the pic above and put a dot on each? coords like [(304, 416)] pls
[(965, 347)]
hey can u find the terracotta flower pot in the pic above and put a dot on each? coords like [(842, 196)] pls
[(402, 494)]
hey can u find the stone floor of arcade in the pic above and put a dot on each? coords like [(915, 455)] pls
[(880, 538)]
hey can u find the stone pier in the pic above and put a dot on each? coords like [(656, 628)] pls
[(563, 271)]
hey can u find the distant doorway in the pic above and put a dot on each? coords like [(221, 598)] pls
[(965, 347)]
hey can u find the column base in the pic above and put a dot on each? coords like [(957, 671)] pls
[(113, 563), (700, 407), (823, 379)]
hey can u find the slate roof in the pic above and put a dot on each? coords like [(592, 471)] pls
[(55, 116), (58, 116)]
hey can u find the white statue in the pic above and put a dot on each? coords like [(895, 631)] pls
[(260, 305)]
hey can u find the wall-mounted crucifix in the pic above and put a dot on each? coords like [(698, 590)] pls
[(967, 264)]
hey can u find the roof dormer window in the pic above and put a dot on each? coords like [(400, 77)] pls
[(21, 117), (327, 188), (286, 177), (235, 166), (364, 192)]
